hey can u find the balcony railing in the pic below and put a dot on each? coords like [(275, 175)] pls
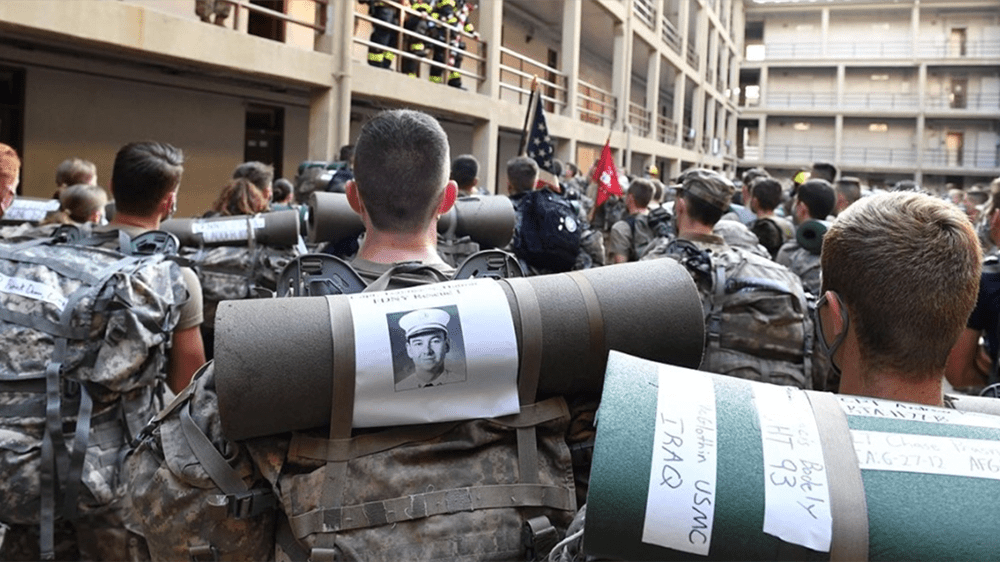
[(670, 35), (879, 156), (596, 105), (817, 100), (639, 118), (517, 72), (886, 49), (666, 130), (962, 158), (645, 11), (798, 154), (468, 62), (692, 53), (300, 27), (980, 101), (881, 100)]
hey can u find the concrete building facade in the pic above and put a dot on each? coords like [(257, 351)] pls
[(887, 91), (284, 81)]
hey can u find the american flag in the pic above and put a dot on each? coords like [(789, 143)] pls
[(536, 142)]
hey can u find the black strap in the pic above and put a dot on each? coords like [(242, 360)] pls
[(53, 449)]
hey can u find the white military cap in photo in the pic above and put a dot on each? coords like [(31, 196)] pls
[(424, 320)]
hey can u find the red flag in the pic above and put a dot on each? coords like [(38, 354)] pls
[(606, 177)]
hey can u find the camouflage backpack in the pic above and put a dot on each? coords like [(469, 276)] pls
[(85, 332), (484, 489), (758, 323)]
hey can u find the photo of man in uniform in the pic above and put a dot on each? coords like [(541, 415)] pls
[(427, 345)]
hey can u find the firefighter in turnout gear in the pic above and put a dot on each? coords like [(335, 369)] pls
[(414, 44), (458, 44), (445, 20), (381, 34)]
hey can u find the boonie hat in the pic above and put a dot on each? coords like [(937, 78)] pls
[(708, 185), (424, 320)]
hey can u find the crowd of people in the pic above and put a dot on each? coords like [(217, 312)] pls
[(822, 285)]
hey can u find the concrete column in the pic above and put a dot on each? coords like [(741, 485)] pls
[(330, 109), (922, 85), (761, 137), (915, 28), (683, 26), (763, 86), (622, 71), (824, 32), (572, 24), (680, 90), (841, 84), (702, 44), (658, 11), (838, 135), (484, 148), (490, 25), (921, 131), (653, 91)]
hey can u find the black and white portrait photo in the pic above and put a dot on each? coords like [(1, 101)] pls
[(428, 348)]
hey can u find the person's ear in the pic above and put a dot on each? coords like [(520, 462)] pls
[(448, 198), (168, 204), (835, 317), (353, 197)]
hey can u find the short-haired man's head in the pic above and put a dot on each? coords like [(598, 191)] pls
[(401, 166), (257, 173), (347, 153), (143, 174), (82, 200), (907, 267), (824, 171), (752, 174), (464, 170), (641, 190), (850, 188), (73, 171), (707, 194), (767, 191), (818, 197), (522, 174)]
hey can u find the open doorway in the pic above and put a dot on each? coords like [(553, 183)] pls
[(265, 131), (953, 145)]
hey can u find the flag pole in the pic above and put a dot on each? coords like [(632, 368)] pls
[(532, 104)]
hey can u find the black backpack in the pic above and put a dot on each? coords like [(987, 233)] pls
[(548, 231)]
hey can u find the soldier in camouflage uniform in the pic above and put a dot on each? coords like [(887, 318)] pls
[(814, 200), (630, 236), (154, 310)]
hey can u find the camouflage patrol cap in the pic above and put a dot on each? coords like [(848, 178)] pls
[(708, 185)]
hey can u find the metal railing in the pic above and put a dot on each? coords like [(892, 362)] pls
[(962, 158), (886, 49), (639, 118), (240, 10), (692, 53), (596, 105), (670, 35), (801, 99), (517, 71), (473, 59), (979, 101), (645, 11), (878, 100), (878, 156), (666, 130), (798, 153)]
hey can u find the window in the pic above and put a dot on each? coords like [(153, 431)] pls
[(880, 77), (878, 127), (755, 52), (802, 126)]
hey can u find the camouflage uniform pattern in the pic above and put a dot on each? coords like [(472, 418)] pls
[(231, 272), (762, 334), (468, 456), (124, 322), (803, 263), (176, 500)]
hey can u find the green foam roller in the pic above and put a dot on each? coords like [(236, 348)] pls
[(690, 465)]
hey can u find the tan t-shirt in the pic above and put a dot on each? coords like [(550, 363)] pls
[(192, 313)]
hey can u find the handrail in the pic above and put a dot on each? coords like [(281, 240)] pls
[(666, 130), (645, 11), (640, 117), (588, 96), (558, 87)]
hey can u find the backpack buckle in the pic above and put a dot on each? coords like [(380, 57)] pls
[(203, 553), (242, 505)]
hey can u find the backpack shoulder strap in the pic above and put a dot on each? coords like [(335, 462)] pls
[(492, 264)]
